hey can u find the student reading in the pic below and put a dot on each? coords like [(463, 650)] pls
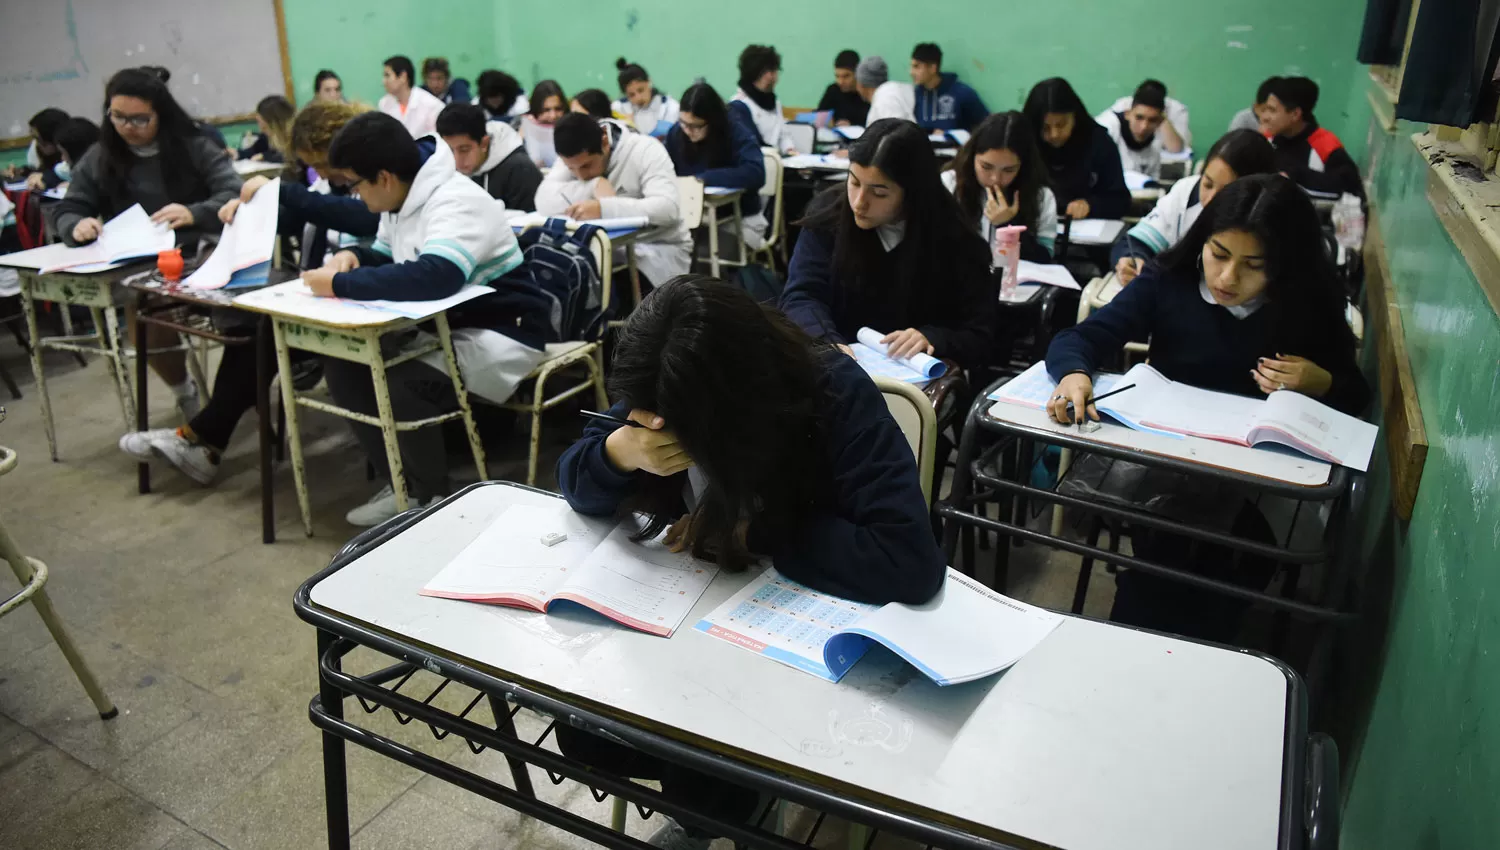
[(719, 146), (273, 122), (892, 251), (43, 155), (1247, 303), (648, 110), (942, 102), (328, 86), (149, 153), (760, 70), (1082, 159), (999, 179), (1306, 152), (438, 80), (842, 96), (548, 103), (492, 153), (413, 106), (1238, 154)]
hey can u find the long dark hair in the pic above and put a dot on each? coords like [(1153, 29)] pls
[(901, 150), (174, 129), (1056, 95), (739, 384), (544, 90), (705, 104), (1302, 289), (1002, 131), (1246, 152)]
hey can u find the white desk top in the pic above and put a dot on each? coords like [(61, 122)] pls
[(1103, 737)]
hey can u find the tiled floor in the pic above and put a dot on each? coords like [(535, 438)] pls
[(187, 619)]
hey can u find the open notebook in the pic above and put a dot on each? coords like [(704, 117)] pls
[(131, 235), (244, 252), (966, 632), (642, 585), (520, 220), (293, 298), (871, 354), (1163, 406)]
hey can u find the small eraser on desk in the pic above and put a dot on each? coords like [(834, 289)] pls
[(554, 538)]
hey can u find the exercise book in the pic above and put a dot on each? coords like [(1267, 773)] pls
[(871, 354), (131, 235), (246, 243)]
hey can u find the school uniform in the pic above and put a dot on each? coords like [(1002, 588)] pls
[(449, 233), (845, 105), (1315, 159), (1245, 119), (419, 115), (1037, 243), (1164, 226), (645, 184), (457, 92), (953, 305), (261, 147), (656, 118), (746, 169), (892, 99), (508, 173), (1176, 111), (951, 106), (1140, 157), (1089, 171), (511, 116), (765, 112)]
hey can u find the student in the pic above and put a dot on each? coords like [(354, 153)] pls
[(648, 110), (842, 97), (548, 103), (73, 139), (1082, 160), (328, 86), (43, 155), (195, 448), (501, 96), (273, 120), (830, 492), (887, 98), (760, 69), (719, 146), (998, 179), (892, 251), (1238, 154), (1137, 131), (1174, 134), (592, 102), (491, 153), (942, 102), (1306, 152), (439, 232), (1249, 117), (609, 172), (415, 108), (438, 80), (1247, 303)]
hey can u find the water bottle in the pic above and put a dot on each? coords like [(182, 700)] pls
[(1007, 258)]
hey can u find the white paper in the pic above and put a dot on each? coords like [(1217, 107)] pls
[(1136, 181), (850, 133), (959, 136), (1314, 428), (1048, 273), (1094, 231), (521, 220), (293, 298), (712, 191), (816, 161), (639, 583), (251, 168), (128, 236), (247, 241), (925, 365)]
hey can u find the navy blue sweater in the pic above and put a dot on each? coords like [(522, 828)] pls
[(746, 168), (1202, 344), (874, 544), (953, 105), (1094, 175)]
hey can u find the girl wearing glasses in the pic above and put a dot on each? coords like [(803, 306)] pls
[(720, 146)]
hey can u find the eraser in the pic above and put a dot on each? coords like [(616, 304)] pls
[(554, 538)]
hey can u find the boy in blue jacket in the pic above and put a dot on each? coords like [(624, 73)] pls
[(943, 103)]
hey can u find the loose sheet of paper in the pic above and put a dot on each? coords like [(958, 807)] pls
[(247, 241), (1095, 231), (923, 364), (816, 161), (1048, 273), (293, 298)]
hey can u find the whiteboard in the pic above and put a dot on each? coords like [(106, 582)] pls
[(224, 57)]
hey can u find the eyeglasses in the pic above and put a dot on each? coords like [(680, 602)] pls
[(693, 128), (139, 122)]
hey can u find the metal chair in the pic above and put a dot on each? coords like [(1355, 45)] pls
[(776, 233)]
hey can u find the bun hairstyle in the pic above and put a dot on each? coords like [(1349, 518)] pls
[(630, 73)]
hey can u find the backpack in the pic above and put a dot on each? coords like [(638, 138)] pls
[(562, 266)]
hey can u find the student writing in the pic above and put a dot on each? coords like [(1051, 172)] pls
[(490, 152), (273, 121), (892, 251), (1238, 154), (1082, 160), (1306, 152), (548, 104), (887, 98), (650, 111), (592, 102), (328, 86), (438, 80), (42, 155), (998, 179), (1137, 130), (719, 146), (414, 107), (501, 96), (942, 102), (760, 70), (842, 97)]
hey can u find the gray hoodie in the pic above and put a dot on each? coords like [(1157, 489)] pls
[(508, 173), (645, 183)]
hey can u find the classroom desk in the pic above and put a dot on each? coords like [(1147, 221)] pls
[(247, 168), (715, 197), (1102, 737)]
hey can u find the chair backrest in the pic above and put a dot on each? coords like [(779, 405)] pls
[(690, 201), (604, 258), (803, 136), (772, 187), (913, 413)]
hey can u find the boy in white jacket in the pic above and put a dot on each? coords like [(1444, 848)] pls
[(887, 98), (439, 232), (607, 171)]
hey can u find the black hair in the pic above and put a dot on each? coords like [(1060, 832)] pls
[(462, 119), (158, 71), (1263, 93), (1246, 152), (929, 53), (1056, 95), (1008, 131), (401, 65), (756, 61), (936, 232), (1302, 288), (1296, 93), (434, 64), (47, 122), (595, 102), (499, 84), (576, 133), (716, 366), (374, 142), (704, 102), (630, 73), (174, 130), (544, 90), (847, 60), (1150, 93), (76, 136), (323, 75)]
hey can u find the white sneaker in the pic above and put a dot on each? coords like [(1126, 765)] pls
[(194, 461), (381, 507), (672, 836)]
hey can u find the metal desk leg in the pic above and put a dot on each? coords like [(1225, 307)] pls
[(713, 239), (115, 351), (142, 414), (445, 336), (635, 275), (739, 233), (376, 363), (335, 776), (27, 279), (289, 407), (263, 360)]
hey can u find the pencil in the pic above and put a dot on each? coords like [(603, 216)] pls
[(1114, 392), (605, 417)]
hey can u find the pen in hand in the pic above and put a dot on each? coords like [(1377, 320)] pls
[(605, 417)]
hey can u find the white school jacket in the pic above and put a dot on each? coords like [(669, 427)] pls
[(892, 99), (1171, 217), (1177, 113), (420, 115), (653, 119), (1046, 217), (1145, 161), (768, 122)]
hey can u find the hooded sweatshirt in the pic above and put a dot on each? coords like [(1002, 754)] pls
[(656, 118), (508, 173), (951, 106)]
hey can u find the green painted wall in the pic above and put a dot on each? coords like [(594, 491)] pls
[(1425, 750)]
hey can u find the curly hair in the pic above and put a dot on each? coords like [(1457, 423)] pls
[(318, 122)]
